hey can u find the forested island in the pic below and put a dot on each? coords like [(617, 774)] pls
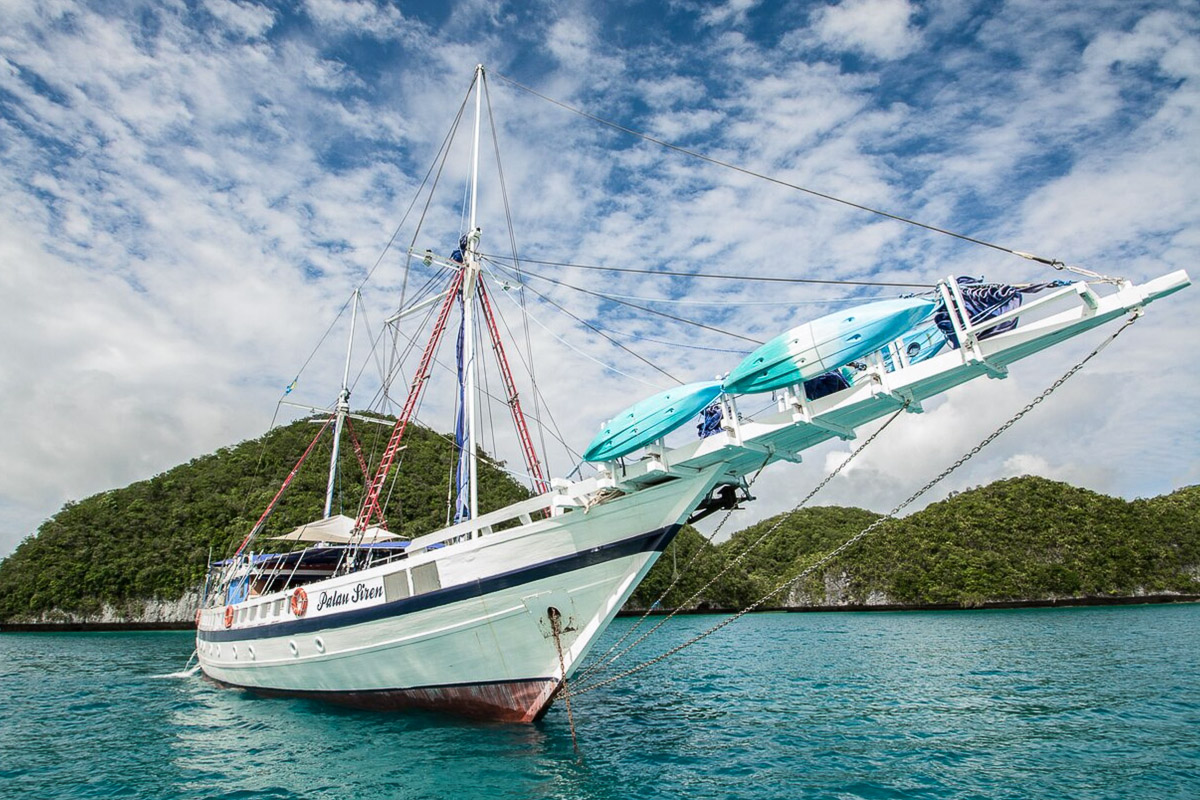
[(137, 555)]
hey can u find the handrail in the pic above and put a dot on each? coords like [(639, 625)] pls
[(515, 511)]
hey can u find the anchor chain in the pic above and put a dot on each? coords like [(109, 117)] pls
[(789, 582), (600, 666), (556, 629)]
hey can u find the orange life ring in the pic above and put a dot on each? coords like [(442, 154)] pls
[(300, 602), (228, 616)]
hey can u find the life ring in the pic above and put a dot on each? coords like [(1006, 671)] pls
[(228, 616), (300, 602)]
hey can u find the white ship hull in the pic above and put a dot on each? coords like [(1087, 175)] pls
[(477, 640)]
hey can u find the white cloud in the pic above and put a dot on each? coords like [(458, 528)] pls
[(246, 18), (380, 20), (877, 28), (731, 12)]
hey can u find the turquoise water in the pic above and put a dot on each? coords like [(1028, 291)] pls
[(1055, 703)]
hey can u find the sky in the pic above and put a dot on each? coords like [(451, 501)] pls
[(191, 191)]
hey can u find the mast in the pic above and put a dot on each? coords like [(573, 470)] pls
[(343, 408), (469, 284), (464, 287)]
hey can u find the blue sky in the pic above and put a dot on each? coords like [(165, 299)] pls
[(190, 191)]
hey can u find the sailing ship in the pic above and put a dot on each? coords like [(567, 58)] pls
[(489, 615)]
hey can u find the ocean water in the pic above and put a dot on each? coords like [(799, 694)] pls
[(1054, 703)]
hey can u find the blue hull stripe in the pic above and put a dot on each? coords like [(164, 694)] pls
[(655, 541)]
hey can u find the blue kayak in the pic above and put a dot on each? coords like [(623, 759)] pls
[(825, 344), (651, 419)]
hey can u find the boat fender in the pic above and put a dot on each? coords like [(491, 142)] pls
[(228, 616), (300, 602)]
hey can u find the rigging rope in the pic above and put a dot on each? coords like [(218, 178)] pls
[(789, 582), (391, 240), (512, 242), (592, 327), (683, 301), (718, 276), (538, 398), (634, 305), (813, 192)]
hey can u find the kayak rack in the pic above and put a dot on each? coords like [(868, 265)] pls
[(798, 423)]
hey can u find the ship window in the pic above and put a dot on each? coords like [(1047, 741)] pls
[(395, 586), (425, 578)]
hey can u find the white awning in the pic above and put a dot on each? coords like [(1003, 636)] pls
[(336, 530)]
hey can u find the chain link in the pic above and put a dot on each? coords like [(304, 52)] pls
[(601, 663), (556, 628), (738, 558), (789, 582)]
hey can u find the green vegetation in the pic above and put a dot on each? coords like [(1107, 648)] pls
[(153, 538), (1019, 539)]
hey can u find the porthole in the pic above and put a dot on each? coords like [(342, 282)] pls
[(320, 643), (295, 650), (250, 651)]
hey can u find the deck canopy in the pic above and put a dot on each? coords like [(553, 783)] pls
[(337, 529)]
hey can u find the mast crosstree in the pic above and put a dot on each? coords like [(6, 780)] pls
[(465, 286)]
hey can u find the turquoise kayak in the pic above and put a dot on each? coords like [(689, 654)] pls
[(651, 419), (825, 344), (921, 343)]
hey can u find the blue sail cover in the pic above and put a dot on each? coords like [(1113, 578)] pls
[(710, 422), (462, 474), (983, 301), (826, 384), (458, 255)]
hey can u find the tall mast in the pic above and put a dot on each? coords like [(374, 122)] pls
[(470, 281), (343, 408)]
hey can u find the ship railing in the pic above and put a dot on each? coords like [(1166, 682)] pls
[(969, 333), (563, 497)]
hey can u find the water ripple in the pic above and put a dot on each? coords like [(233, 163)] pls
[(1086, 703)]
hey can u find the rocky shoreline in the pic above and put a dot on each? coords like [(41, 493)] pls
[(1053, 602), (166, 616)]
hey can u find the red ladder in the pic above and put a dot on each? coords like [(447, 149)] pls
[(286, 483), (531, 460), (358, 451), (371, 508)]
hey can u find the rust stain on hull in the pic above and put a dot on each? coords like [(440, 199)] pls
[(510, 701)]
